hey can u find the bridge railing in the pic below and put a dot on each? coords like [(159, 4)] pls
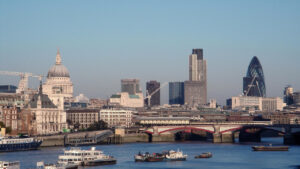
[(234, 123)]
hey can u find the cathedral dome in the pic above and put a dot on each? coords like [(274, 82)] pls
[(58, 70)]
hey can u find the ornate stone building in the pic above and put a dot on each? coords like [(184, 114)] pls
[(58, 84), (48, 118)]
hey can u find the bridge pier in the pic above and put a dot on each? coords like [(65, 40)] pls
[(217, 138), (228, 137)]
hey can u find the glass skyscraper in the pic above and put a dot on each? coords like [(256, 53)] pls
[(176, 93), (254, 82)]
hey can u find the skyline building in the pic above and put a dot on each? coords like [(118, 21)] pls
[(254, 82), (195, 90), (131, 86), (58, 85), (151, 86), (176, 93), (288, 95)]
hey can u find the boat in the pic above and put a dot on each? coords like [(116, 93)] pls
[(19, 144), (176, 156), (204, 155), (42, 165), (91, 157), (9, 165), (270, 148), (155, 157)]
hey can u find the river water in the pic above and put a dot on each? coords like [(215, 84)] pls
[(225, 156)]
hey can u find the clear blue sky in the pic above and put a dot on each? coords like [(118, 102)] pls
[(102, 42)]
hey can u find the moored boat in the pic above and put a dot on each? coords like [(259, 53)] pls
[(90, 157), (9, 165), (42, 165), (270, 148), (155, 157), (175, 156), (19, 144), (204, 155)]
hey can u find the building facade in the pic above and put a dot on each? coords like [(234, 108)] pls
[(125, 99), (117, 117), (58, 84), (152, 86), (195, 90), (176, 93), (288, 95), (83, 116), (253, 103), (48, 118), (254, 82), (131, 86)]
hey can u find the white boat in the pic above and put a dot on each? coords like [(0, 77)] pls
[(176, 156), (42, 165), (9, 165), (90, 157)]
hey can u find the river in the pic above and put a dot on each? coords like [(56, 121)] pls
[(225, 156)]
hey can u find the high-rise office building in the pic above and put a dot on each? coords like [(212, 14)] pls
[(176, 93), (254, 82), (151, 86), (288, 95), (195, 90), (131, 86)]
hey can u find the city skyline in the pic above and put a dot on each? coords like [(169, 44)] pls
[(97, 60)]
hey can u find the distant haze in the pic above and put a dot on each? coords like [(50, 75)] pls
[(102, 42)]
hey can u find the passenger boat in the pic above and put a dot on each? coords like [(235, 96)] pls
[(9, 165), (176, 156), (204, 155), (90, 157), (270, 148), (19, 144)]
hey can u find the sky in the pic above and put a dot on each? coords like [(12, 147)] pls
[(102, 42)]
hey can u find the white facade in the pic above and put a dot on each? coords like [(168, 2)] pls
[(257, 103), (126, 100), (58, 85), (117, 117)]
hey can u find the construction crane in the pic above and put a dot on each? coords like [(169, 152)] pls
[(148, 97), (23, 83)]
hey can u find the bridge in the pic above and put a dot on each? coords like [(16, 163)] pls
[(224, 132)]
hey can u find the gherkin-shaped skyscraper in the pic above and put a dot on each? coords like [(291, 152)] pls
[(254, 82)]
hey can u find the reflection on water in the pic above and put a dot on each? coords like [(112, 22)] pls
[(225, 156)]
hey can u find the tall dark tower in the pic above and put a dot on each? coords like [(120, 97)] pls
[(151, 86), (254, 82)]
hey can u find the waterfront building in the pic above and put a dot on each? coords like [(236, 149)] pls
[(176, 93), (83, 116), (131, 86), (11, 99), (8, 89), (58, 84), (288, 95), (9, 116), (117, 117), (151, 86), (253, 103), (125, 99), (195, 90), (48, 117), (254, 82)]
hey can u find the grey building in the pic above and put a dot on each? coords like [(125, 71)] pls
[(195, 90), (131, 86), (151, 86), (176, 93)]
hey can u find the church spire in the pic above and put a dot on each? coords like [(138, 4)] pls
[(58, 57)]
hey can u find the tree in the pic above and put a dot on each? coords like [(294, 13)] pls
[(100, 125)]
